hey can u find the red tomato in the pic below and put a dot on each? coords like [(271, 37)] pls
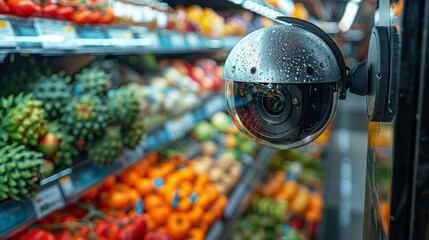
[(65, 12), (102, 228), (64, 236), (107, 17), (114, 231), (139, 227), (95, 16), (22, 8), (38, 234), (67, 218), (83, 232), (50, 10), (78, 212), (126, 234), (81, 16), (4, 8), (37, 11)]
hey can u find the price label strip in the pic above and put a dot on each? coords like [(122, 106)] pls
[(7, 35), (193, 40), (67, 186), (144, 37), (121, 37), (214, 105), (176, 128), (177, 40), (47, 201), (56, 35)]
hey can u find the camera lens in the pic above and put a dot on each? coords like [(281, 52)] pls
[(273, 102)]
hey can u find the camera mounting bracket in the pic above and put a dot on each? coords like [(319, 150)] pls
[(372, 76)]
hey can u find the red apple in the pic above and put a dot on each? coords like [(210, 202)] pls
[(48, 144)]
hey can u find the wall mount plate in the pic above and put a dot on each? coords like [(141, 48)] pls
[(378, 66)]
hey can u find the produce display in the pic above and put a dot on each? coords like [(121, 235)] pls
[(150, 14), (283, 206), (79, 12), (64, 119), (176, 88), (154, 199), (208, 22)]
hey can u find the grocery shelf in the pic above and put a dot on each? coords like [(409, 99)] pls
[(240, 196), (54, 37), (67, 185)]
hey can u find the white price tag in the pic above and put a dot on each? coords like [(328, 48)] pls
[(193, 40), (47, 201), (177, 40), (121, 36), (7, 35), (56, 35), (67, 185)]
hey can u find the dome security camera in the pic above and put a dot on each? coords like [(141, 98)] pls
[(283, 82)]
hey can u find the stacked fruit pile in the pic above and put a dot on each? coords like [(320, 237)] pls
[(289, 202), (223, 172), (232, 140), (153, 199), (176, 200), (298, 198), (257, 226), (303, 165), (177, 88), (81, 12), (83, 221), (58, 120), (211, 23), (61, 119)]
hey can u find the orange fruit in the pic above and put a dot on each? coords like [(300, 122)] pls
[(195, 215), (152, 201), (129, 177), (203, 201), (178, 226), (173, 179), (217, 210), (166, 190), (134, 196), (151, 225), (195, 234), (185, 189), (187, 174), (184, 205), (212, 193), (118, 199), (204, 226), (209, 218), (109, 182), (144, 186), (313, 215), (222, 201), (141, 168), (159, 214), (316, 201), (90, 194), (162, 229), (202, 180)]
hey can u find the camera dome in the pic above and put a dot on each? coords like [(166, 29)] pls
[(282, 54), (282, 85)]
